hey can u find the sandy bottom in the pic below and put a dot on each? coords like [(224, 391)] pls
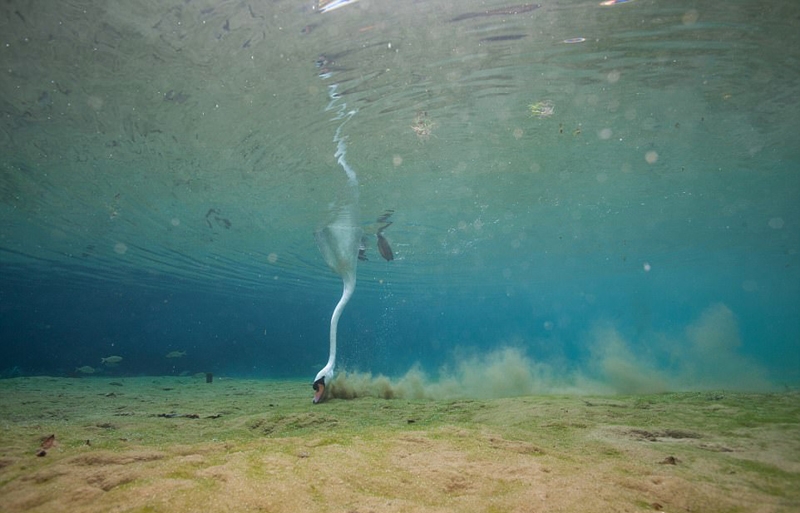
[(179, 444)]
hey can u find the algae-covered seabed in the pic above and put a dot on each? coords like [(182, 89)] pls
[(179, 444)]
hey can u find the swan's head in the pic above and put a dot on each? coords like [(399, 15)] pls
[(323, 379)]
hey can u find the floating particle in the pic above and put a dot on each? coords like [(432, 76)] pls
[(542, 109), (776, 223)]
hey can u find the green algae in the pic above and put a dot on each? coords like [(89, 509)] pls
[(172, 436)]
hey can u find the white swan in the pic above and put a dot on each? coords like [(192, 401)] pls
[(338, 242)]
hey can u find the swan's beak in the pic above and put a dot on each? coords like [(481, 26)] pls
[(319, 390)]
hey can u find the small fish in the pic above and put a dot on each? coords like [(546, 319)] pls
[(85, 370), (48, 441), (176, 354), (111, 360), (384, 248), (503, 11), (509, 37)]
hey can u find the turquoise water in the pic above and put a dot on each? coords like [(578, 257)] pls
[(604, 195)]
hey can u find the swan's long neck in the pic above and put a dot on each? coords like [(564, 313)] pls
[(347, 292)]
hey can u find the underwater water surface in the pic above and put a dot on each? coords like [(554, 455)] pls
[(583, 197)]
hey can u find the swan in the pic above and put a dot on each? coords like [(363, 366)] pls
[(340, 241), (339, 244)]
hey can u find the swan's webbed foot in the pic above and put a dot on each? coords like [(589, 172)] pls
[(319, 390)]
